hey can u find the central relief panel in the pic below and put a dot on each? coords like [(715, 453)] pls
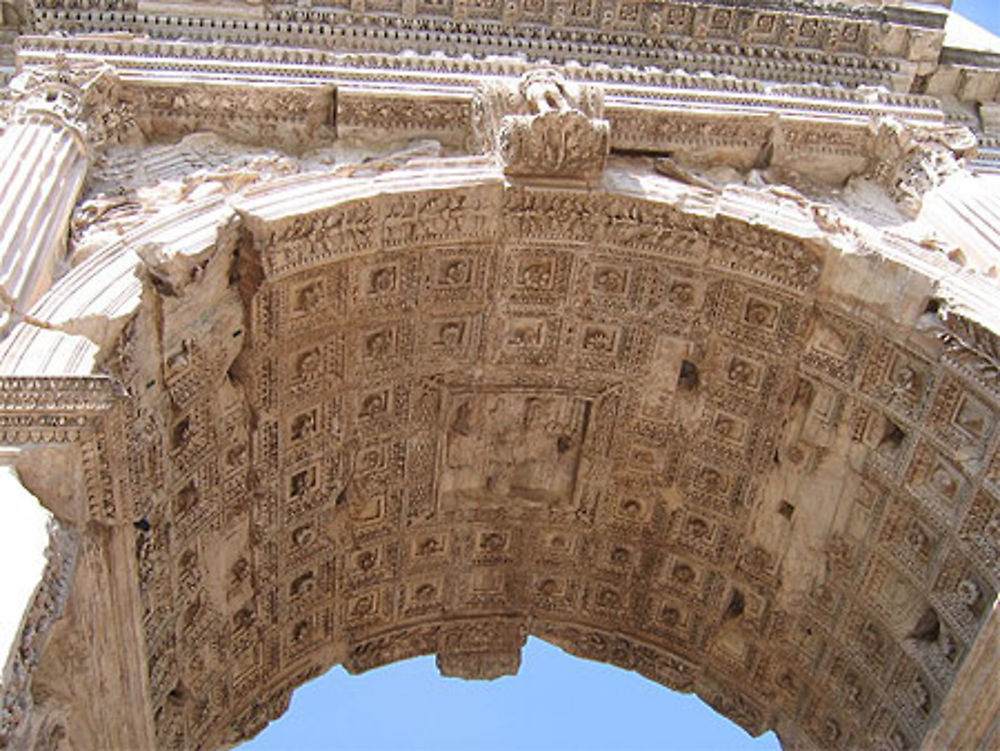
[(512, 447)]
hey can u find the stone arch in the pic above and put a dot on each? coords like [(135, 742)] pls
[(683, 431)]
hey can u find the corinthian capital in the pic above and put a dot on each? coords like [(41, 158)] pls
[(86, 98), (910, 160)]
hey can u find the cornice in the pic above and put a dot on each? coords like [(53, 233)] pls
[(971, 58), (840, 44), (150, 62), (910, 13), (134, 54), (779, 41)]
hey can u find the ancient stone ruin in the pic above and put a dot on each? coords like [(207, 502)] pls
[(344, 332)]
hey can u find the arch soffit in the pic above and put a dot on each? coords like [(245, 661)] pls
[(655, 431)]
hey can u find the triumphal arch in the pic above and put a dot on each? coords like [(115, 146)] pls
[(343, 332)]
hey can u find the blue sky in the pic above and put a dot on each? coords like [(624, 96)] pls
[(986, 13), (556, 702)]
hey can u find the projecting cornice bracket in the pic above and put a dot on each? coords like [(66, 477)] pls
[(543, 128)]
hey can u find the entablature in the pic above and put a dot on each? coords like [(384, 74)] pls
[(304, 97)]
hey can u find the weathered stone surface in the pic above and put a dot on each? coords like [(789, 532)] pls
[(545, 128), (705, 392)]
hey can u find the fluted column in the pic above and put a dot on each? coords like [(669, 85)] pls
[(965, 211), (60, 114)]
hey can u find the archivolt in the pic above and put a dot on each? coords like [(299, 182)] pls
[(711, 438)]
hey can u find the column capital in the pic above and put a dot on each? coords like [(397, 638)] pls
[(910, 160), (86, 98)]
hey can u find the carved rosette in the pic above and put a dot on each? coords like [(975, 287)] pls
[(544, 128)]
